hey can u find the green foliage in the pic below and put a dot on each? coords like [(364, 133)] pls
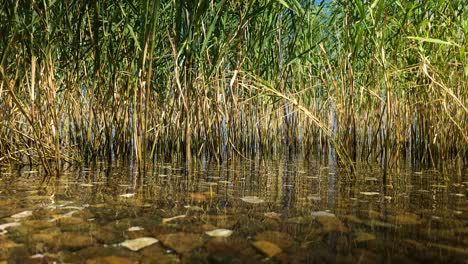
[(243, 76)]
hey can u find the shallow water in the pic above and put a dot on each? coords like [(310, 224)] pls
[(241, 212)]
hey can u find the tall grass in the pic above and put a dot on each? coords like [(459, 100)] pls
[(377, 81)]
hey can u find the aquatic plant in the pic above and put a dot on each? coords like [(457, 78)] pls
[(373, 81)]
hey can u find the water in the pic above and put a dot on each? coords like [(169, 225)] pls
[(255, 211)]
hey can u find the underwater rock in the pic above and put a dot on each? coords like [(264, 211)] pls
[(135, 228), (49, 237), (267, 248), (110, 260), (74, 241), (139, 243), (181, 242), (282, 240), (107, 235), (157, 255), (228, 257), (72, 224), (219, 233)]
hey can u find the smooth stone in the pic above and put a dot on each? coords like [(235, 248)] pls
[(232, 244), (182, 242), (73, 224), (139, 243), (161, 259), (267, 248), (228, 257), (111, 260), (107, 235), (157, 255), (135, 228), (98, 250), (219, 233), (74, 241), (283, 240), (138, 234)]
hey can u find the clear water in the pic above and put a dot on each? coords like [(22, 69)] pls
[(277, 211)]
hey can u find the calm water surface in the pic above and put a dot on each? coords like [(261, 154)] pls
[(241, 212)]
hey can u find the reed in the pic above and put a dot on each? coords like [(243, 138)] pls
[(376, 81)]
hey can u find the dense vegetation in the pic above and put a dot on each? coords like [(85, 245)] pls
[(378, 81)]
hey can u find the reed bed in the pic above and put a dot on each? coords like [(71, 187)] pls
[(382, 82)]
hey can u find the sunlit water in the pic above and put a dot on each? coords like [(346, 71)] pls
[(239, 212)]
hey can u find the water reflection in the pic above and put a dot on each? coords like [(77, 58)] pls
[(275, 211)]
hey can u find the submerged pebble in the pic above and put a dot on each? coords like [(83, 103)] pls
[(219, 233), (267, 248), (139, 243), (173, 221)]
